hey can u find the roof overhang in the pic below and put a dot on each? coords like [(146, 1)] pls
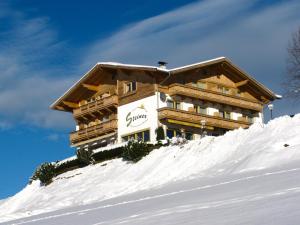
[(113, 65)]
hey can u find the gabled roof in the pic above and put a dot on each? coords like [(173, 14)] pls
[(177, 70)]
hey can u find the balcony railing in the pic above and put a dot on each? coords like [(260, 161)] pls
[(193, 119), (213, 96), (97, 105), (104, 128)]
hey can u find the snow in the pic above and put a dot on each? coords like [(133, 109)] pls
[(117, 64), (198, 63), (256, 197), (66, 160), (242, 170), (109, 147)]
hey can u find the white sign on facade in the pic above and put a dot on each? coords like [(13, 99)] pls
[(137, 116)]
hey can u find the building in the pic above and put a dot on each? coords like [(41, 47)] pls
[(114, 102)]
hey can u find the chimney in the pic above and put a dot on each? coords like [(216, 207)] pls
[(162, 64)]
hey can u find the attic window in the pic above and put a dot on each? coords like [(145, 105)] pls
[(224, 90), (238, 93), (130, 87), (201, 85)]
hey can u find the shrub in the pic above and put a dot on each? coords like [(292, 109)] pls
[(135, 150), (107, 154), (44, 173), (160, 134), (67, 166), (85, 156)]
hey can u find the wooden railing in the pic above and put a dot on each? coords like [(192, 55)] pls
[(195, 118), (213, 96), (93, 131), (97, 105)]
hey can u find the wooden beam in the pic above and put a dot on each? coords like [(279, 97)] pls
[(264, 99), (60, 108), (73, 105), (241, 83), (91, 87)]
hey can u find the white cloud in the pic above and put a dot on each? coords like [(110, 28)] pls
[(28, 81), (253, 35)]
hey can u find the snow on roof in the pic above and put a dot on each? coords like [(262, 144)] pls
[(117, 64), (198, 64)]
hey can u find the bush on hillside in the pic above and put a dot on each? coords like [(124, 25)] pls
[(135, 150), (67, 166), (107, 154), (160, 134), (85, 156), (44, 173)]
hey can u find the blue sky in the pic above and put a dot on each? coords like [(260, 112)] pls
[(47, 45)]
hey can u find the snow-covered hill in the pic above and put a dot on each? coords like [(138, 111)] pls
[(237, 153)]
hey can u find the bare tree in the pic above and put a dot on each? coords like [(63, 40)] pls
[(292, 83)]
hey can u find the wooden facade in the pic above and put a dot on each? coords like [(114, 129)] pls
[(96, 98)]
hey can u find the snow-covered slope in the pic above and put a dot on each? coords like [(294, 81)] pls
[(237, 152)]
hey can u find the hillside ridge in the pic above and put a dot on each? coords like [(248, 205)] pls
[(259, 147)]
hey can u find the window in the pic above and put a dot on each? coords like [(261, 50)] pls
[(143, 135), (146, 135), (130, 87), (201, 85), (105, 118), (225, 114), (170, 104), (173, 104), (173, 133), (221, 113), (200, 109), (188, 136), (249, 118), (238, 93), (224, 90)]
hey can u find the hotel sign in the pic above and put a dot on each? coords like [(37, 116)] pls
[(137, 117)]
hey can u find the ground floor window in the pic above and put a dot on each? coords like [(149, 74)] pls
[(188, 136), (173, 133), (142, 135), (176, 133)]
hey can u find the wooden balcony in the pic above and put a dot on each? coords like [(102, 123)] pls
[(98, 130), (213, 96), (106, 103), (193, 119)]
